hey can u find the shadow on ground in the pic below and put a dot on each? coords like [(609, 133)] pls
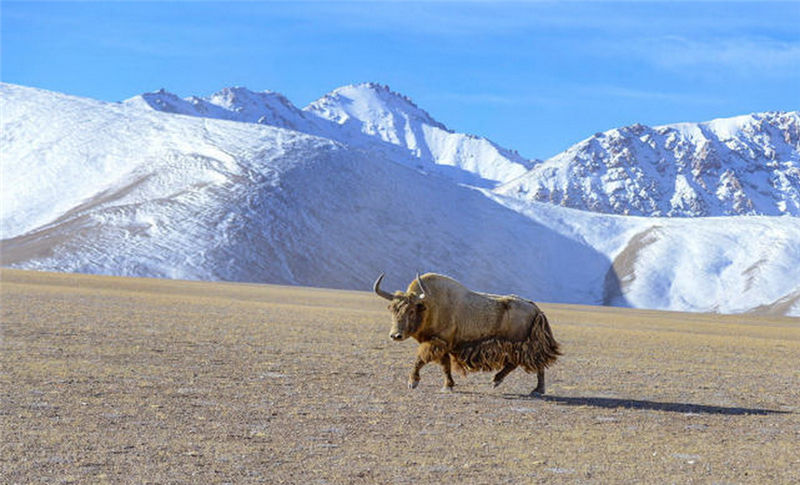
[(673, 407)]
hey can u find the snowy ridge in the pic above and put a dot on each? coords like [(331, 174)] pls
[(369, 117), (234, 104), (116, 189), (747, 165)]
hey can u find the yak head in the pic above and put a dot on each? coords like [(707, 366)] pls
[(408, 309)]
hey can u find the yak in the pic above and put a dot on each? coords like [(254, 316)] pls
[(470, 331)]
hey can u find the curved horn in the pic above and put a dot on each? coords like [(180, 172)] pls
[(381, 293), (421, 287)]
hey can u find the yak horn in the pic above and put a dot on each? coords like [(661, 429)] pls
[(377, 288), (421, 287)]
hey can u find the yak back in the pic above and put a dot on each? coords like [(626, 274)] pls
[(457, 315)]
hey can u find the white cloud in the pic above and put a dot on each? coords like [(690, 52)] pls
[(635, 94), (744, 56)]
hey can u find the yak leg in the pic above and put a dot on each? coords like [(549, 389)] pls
[(413, 379), (498, 378), (427, 352), (539, 383), (448, 376)]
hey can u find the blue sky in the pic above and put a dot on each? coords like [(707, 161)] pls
[(531, 76)]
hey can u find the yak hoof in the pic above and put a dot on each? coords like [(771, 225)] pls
[(413, 384), (496, 383), (539, 391), (447, 389)]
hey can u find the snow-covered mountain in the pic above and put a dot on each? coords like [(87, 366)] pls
[(119, 188), (370, 117), (746, 165), (378, 112), (114, 189)]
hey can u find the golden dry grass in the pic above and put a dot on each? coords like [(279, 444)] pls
[(115, 380)]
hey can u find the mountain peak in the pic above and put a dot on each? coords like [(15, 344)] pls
[(371, 103), (745, 165), (161, 100), (231, 103), (400, 125), (240, 98)]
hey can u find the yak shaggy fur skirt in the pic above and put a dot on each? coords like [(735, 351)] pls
[(535, 353)]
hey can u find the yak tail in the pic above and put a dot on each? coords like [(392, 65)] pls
[(542, 337)]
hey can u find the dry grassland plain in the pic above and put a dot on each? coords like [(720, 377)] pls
[(122, 380)]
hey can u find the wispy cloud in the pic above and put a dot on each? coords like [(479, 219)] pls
[(633, 94), (742, 56)]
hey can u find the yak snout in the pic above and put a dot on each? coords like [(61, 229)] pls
[(397, 336)]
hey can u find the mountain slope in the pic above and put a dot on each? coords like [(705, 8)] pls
[(115, 189), (716, 264), (748, 165)]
